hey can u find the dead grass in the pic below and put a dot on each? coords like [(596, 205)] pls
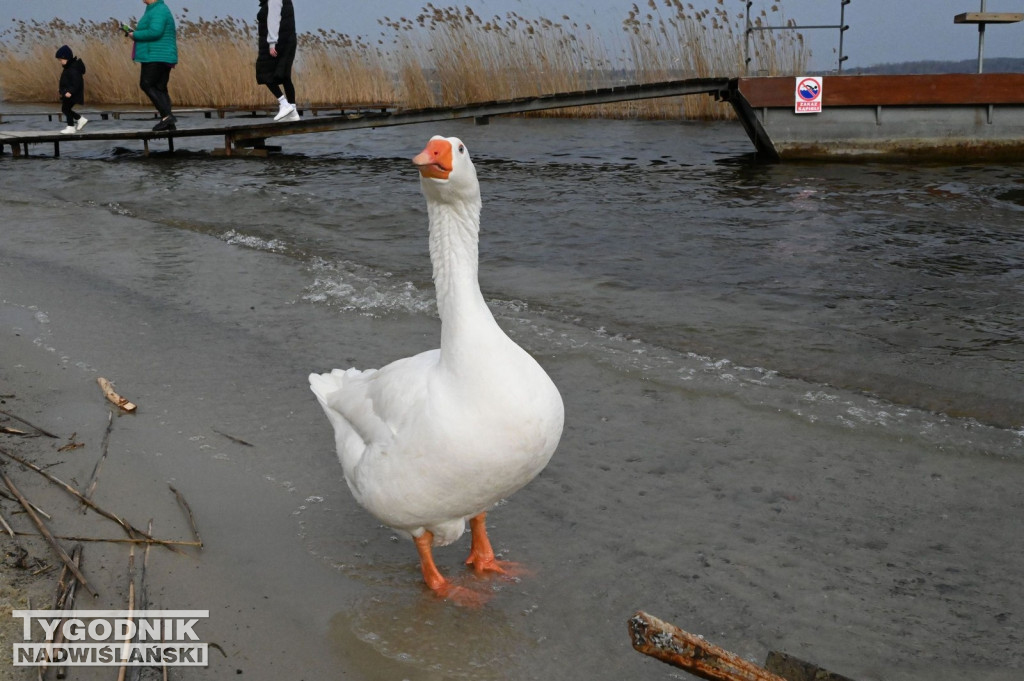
[(444, 56)]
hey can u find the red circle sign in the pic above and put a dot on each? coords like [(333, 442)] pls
[(808, 89)]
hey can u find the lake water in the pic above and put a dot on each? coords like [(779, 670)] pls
[(794, 405)]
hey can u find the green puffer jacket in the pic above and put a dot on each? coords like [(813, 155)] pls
[(155, 38)]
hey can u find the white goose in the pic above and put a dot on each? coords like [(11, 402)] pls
[(432, 440)]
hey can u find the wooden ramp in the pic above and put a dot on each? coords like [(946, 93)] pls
[(250, 137)]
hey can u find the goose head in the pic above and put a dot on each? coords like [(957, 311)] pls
[(447, 174)]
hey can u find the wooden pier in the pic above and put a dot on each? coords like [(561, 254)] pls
[(249, 137)]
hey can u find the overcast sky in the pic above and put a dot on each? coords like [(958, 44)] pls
[(880, 30)]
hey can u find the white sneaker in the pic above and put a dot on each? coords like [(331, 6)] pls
[(293, 115), (80, 123), (68, 130), (286, 109)]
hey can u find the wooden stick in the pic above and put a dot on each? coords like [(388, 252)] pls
[(234, 439), (131, 610), (7, 527), (130, 529), (7, 495), (66, 580), (136, 671), (18, 418), (66, 603), (108, 391), (46, 533), (678, 648), (795, 669), (114, 540), (188, 510), (94, 477)]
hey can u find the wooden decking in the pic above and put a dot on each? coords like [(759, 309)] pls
[(206, 112), (249, 136)]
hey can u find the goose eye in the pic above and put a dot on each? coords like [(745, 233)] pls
[(462, 149)]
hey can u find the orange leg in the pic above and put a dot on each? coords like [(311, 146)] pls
[(431, 575), (436, 581), (481, 555)]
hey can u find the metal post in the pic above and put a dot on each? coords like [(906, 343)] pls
[(981, 40), (746, 49), (842, 29)]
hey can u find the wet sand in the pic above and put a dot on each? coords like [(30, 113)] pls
[(758, 529)]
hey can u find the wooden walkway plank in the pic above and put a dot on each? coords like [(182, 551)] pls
[(253, 134)]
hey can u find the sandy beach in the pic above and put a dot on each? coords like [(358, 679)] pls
[(916, 570), (761, 509)]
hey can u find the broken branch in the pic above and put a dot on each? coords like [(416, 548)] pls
[(41, 526), (18, 418), (114, 540), (188, 510), (108, 391), (128, 527), (673, 646)]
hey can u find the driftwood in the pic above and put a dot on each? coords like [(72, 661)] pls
[(9, 497), (66, 582), (7, 528), (188, 510), (94, 476), (678, 648), (30, 425), (131, 610), (41, 526), (234, 439), (108, 391), (65, 600), (672, 645), (136, 671), (114, 540), (128, 527), (793, 669)]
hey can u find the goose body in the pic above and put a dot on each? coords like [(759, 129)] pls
[(433, 440)]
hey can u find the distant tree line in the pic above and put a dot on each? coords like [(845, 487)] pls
[(990, 65)]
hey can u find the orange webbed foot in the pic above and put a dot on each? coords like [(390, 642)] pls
[(481, 555), (505, 568), (442, 587), (463, 596)]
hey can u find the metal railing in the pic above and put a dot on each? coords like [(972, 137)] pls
[(841, 26)]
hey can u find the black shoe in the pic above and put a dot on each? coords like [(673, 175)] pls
[(166, 124)]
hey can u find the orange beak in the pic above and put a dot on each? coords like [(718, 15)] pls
[(435, 160)]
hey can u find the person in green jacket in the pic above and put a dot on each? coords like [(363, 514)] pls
[(156, 50)]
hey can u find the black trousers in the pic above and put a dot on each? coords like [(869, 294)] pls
[(153, 79), (66, 104), (289, 90)]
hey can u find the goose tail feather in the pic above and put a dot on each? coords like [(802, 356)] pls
[(350, 444)]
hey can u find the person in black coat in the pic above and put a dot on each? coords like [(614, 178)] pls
[(71, 89), (277, 42)]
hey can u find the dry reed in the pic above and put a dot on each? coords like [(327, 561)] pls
[(445, 56)]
